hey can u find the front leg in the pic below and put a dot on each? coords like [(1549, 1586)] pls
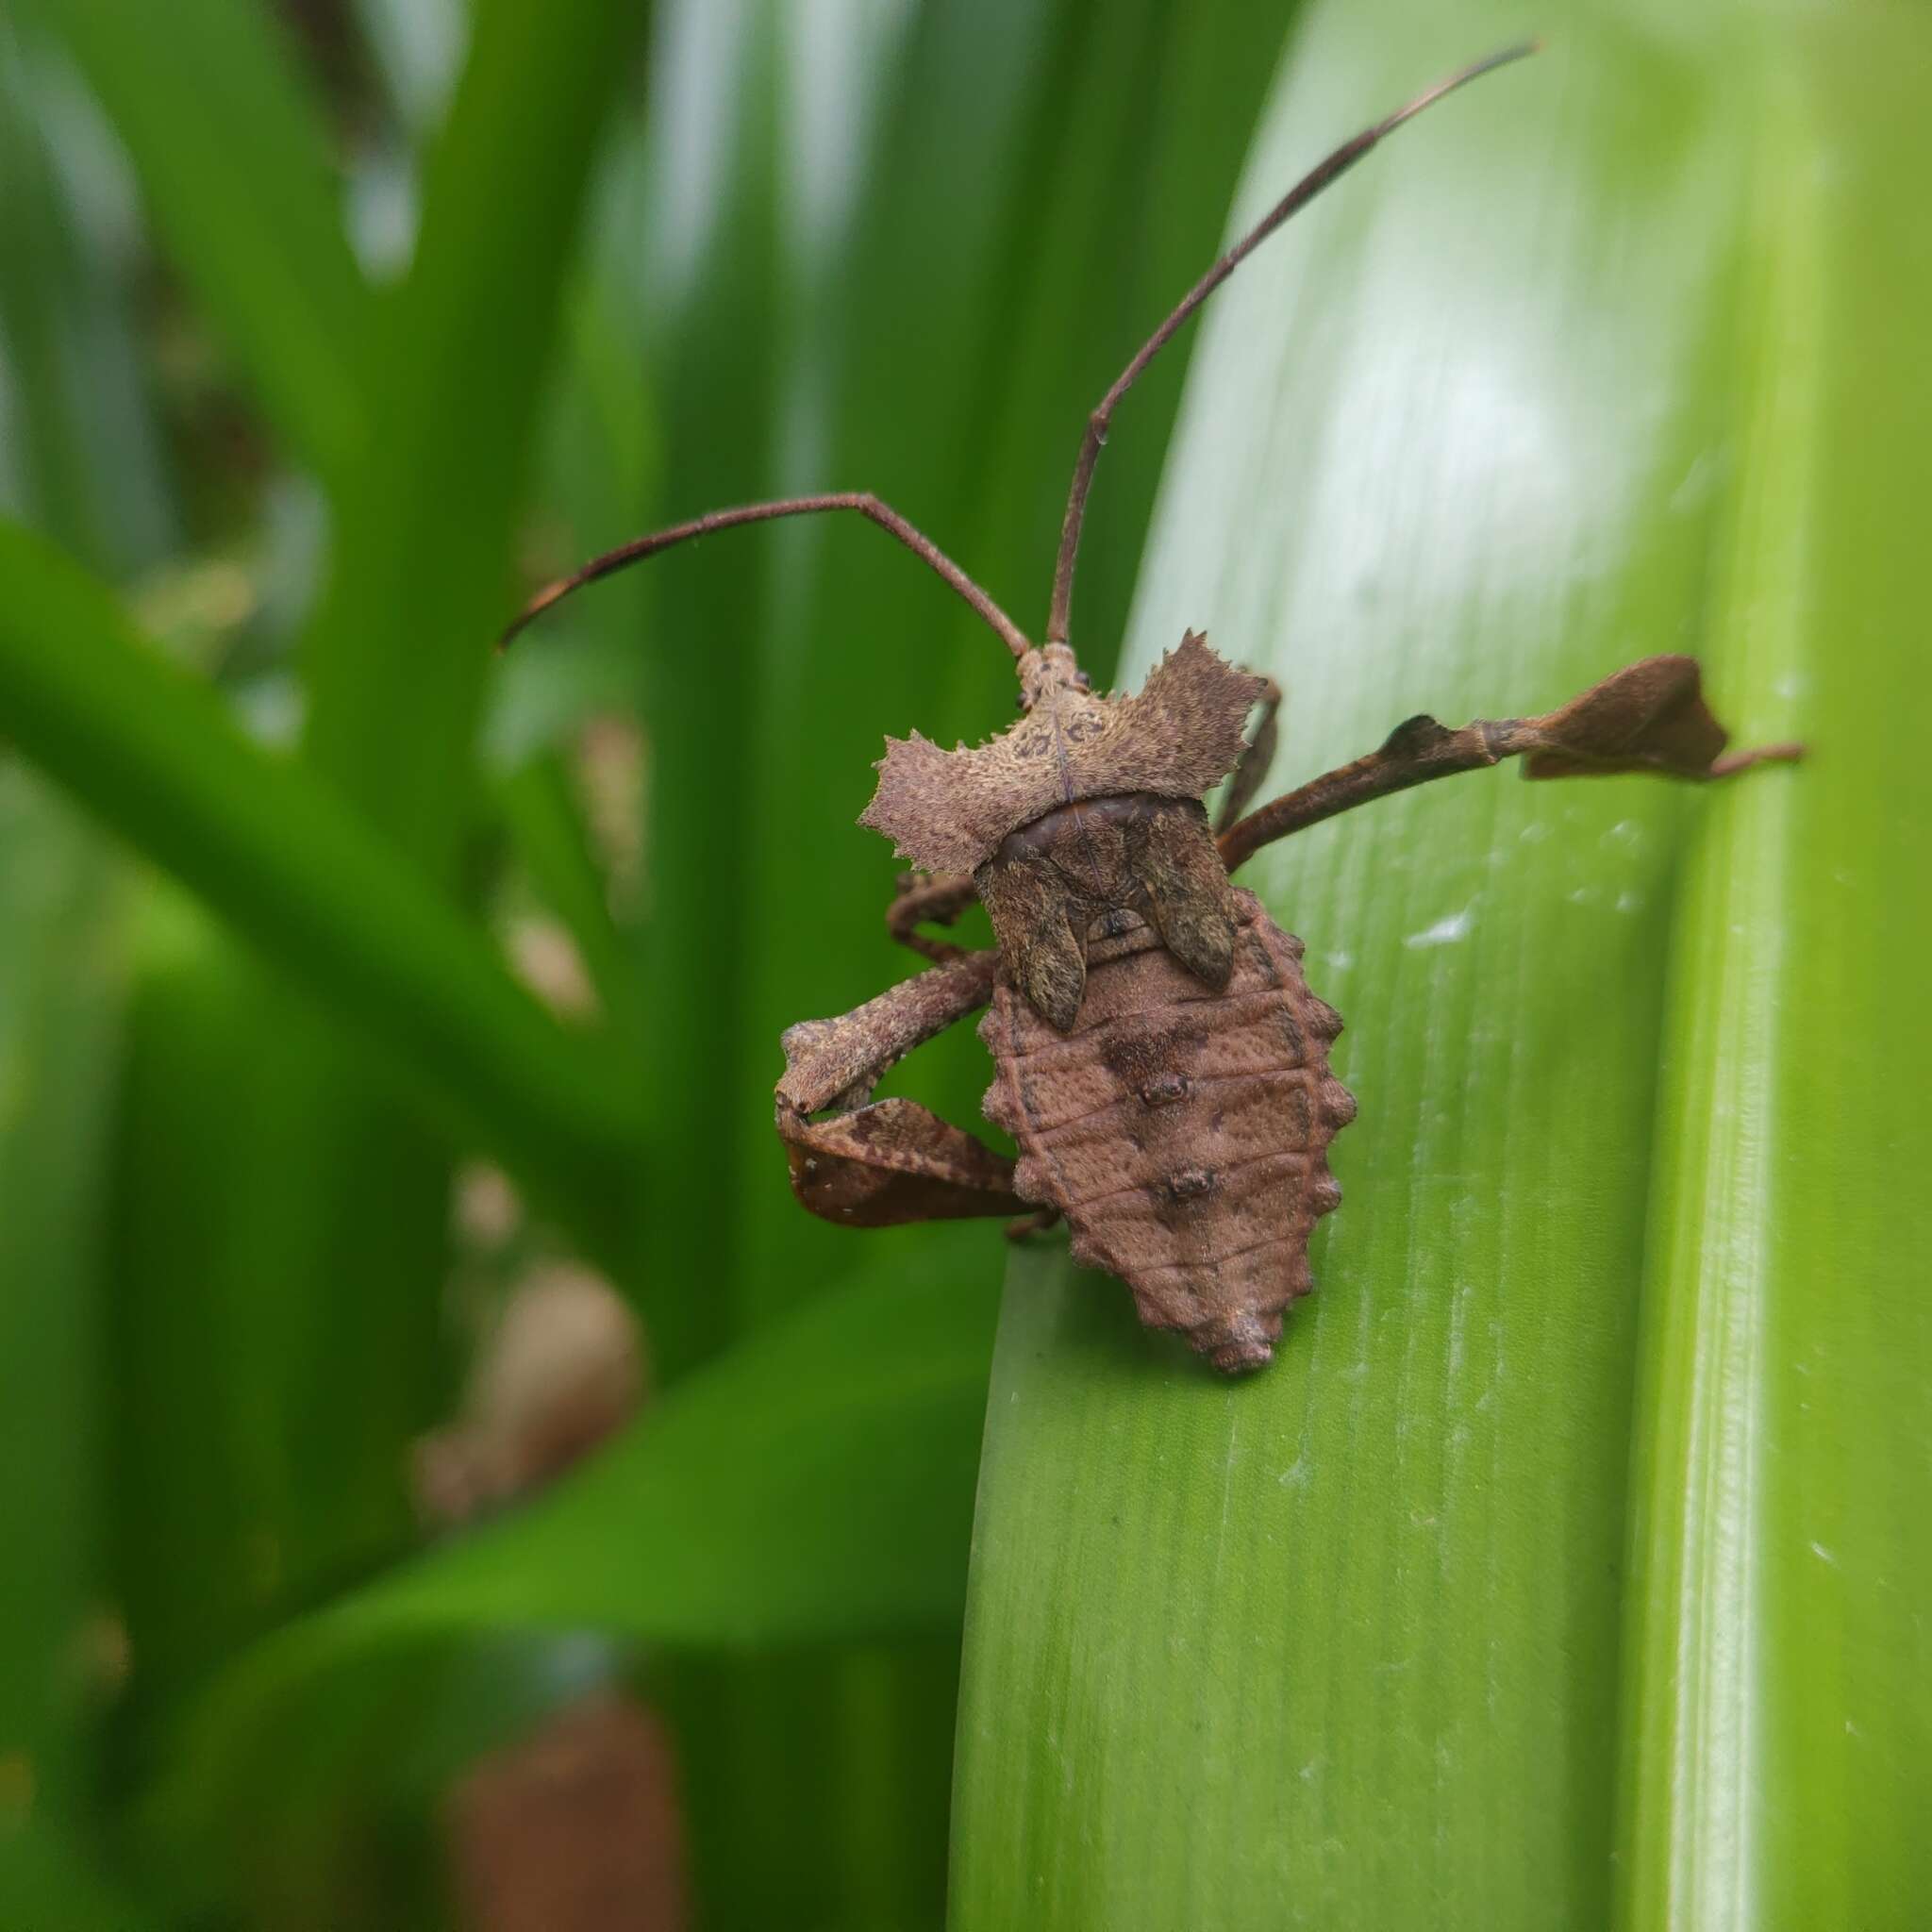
[(938, 896), (1258, 753), (1649, 717), (877, 1164)]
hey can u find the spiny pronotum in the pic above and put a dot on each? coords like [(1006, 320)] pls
[(1159, 1057)]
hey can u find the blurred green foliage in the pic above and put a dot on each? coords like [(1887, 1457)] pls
[(320, 307), (1559, 1566)]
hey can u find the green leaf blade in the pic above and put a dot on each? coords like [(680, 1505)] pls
[(1349, 1644), (1778, 1708)]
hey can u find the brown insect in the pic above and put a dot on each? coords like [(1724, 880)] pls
[(1159, 1057)]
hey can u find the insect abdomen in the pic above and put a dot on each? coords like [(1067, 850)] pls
[(1182, 1132)]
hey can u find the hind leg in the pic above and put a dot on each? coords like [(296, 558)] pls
[(1648, 717)]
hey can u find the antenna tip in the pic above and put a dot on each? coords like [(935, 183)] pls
[(1460, 79), (1521, 50), (531, 611)]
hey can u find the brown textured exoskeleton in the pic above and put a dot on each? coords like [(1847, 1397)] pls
[(1158, 1057)]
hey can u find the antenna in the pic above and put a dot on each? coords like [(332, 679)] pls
[(1297, 197), (864, 502)]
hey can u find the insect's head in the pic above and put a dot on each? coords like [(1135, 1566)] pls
[(1048, 670)]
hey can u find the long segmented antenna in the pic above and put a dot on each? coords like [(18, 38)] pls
[(888, 519), (1297, 197)]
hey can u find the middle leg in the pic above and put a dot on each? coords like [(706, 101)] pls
[(940, 897), (1257, 756)]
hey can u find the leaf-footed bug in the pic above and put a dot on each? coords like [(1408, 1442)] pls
[(1159, 1057)]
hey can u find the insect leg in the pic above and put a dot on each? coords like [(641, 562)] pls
[(940, 897), (1257, 756), (1648, 717), (875, 1163), (1029, 1225)]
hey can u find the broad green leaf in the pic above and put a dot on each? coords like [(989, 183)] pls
[(233, 160), (1398, 1632), (814, 1484), (151, 754), (1776, 1758)]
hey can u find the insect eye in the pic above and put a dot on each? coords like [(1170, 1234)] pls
[(1019, 701), (1084, 682)]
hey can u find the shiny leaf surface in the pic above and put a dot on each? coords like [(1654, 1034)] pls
[(1563, 1561)]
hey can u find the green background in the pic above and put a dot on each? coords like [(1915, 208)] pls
[(1566, 1567)]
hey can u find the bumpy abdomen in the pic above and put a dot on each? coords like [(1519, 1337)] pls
[(1182, 1132)]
